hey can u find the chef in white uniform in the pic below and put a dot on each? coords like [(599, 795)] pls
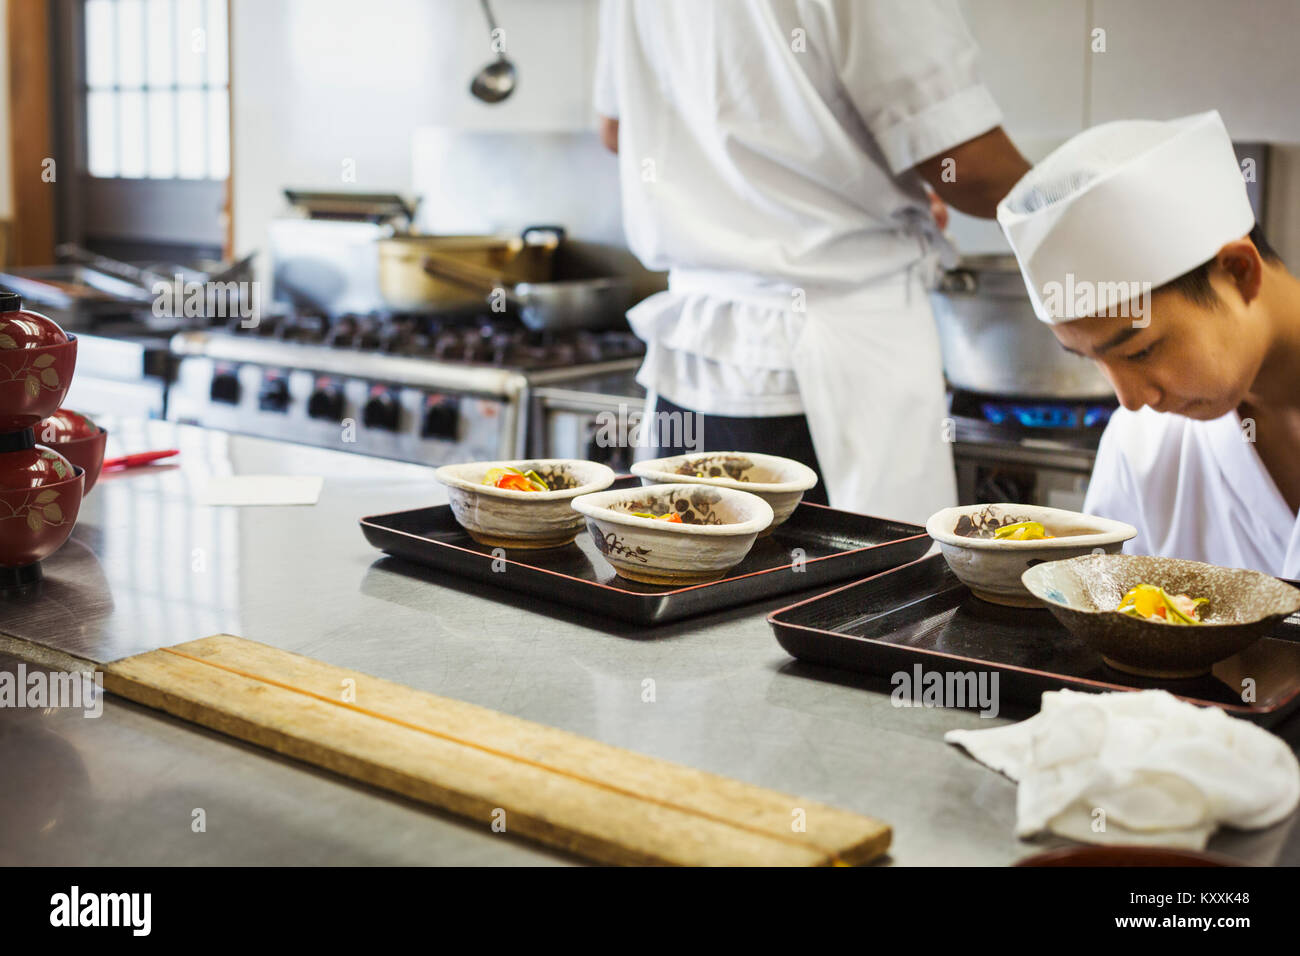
[(773, 157), (1204, 456)]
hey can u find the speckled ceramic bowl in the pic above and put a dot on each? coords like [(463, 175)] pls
[(498, 517), (1084, 593), (718, 527), (781, 482), (992, 568)]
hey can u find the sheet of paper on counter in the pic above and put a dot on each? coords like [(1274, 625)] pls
[(261, 490)]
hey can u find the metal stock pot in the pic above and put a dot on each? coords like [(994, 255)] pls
[(994, 344)]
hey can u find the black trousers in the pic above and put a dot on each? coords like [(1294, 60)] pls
[(784, 435)]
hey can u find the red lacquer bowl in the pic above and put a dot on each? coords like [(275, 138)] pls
[(22, 329), (78, 439), (65, 425), (31, 466), (1124, 856), (87, 454), (34, 522), (34, 381)]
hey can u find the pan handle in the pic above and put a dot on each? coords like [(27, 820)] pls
[(556, 235), (480, 280)]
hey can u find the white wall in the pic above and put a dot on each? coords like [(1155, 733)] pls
[(316, 82), (516, 179), (1163, 58), (320, 82)]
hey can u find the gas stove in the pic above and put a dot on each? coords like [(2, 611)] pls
[(469, 337), (1030, 450), (429, 388)]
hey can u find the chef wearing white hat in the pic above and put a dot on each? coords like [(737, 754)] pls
[(774, 157), (1138, 244)]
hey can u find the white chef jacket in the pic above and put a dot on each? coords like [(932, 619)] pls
[(1193, 489), (766, 149)]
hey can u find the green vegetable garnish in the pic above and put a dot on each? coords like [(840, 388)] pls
[(1152, 603)]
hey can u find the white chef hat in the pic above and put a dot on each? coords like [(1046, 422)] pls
[(1121, 206)]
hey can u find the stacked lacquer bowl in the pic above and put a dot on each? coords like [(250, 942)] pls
[(40, 488)]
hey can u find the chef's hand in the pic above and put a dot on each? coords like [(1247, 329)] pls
[(938, 209), (975, 175), (609, 133)]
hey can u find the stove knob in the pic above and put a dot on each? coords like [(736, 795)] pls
[(225, 388), (381, 411), (441, 420), (274, 396), (326, 404)]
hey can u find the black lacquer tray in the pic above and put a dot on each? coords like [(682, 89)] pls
[(815, 547), (921, 614)]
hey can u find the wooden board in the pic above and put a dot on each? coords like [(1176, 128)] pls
[(600, 802)]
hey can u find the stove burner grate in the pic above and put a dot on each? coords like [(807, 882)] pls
[(470, 337)]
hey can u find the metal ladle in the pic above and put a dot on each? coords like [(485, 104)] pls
[(496, 81)]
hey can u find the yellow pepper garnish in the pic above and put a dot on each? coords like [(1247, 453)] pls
[(673, 517), (1022, 531), (1152, 603)]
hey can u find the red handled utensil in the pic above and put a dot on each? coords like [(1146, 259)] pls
[(140, 458)]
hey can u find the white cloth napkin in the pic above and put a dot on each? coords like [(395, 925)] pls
[(1138, 767)]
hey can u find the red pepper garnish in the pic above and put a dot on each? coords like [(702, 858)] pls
[(514, 483)]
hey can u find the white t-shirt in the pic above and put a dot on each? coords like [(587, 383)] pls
[(1195, 490), (772, 143)]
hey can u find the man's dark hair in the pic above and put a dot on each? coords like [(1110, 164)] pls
[(1195, 285)]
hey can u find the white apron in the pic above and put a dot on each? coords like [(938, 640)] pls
[(868, 372)]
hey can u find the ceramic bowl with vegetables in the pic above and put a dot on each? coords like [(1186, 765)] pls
[(524, 504), (990, 546), (674, 534), (781, 482), (1161, 617)]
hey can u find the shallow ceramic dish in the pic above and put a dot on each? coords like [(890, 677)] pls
[(781, 482), (1083, 593), (718, 527), (499, 517), (992, 567)]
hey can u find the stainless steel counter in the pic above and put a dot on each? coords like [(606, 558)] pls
[(148, 567)]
